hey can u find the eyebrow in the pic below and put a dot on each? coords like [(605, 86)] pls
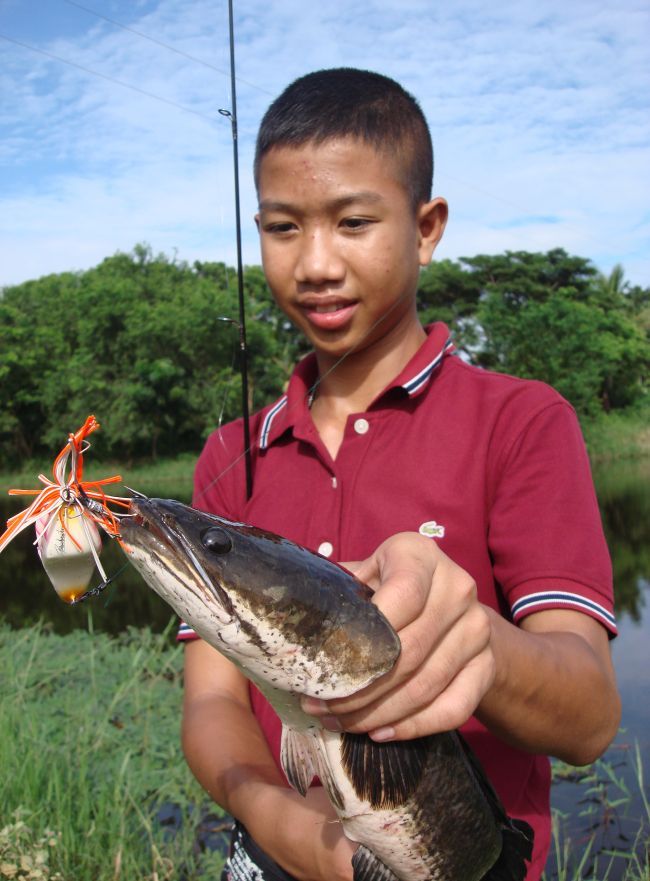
[(367, 196)]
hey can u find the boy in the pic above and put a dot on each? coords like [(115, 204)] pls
[(468, 493)]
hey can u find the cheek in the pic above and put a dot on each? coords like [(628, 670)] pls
[(275, 265)]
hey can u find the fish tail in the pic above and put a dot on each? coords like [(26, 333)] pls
[(516, 849)]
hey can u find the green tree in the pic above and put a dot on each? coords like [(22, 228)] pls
[(549, 317), (139, 340), (151, 345), (449, 292)]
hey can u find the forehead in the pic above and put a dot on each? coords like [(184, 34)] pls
[(336, 164)]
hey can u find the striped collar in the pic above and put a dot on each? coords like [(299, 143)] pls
[(292, 410)]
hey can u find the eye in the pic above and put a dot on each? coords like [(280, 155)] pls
[(216, 540), (355, 224), (279, 227)]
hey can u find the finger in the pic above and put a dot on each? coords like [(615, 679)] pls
[(401, 694), (423, 581), (450, 710), (403, 565), (442, 638)]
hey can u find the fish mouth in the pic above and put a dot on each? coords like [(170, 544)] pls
[(151, 529)]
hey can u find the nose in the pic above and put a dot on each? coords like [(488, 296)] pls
[(319, 261)]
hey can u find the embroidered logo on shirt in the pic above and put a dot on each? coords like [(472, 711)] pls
[(431, 529)]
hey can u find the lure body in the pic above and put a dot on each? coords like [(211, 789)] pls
[(68, 546), (66, 514)]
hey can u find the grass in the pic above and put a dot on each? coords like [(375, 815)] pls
[(89, 751), (166, 478), (618, 435), (609, 839), (611, 436)]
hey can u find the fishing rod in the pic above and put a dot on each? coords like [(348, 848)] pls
[(243, 348)]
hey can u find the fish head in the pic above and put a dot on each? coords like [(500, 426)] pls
[(290, 619)]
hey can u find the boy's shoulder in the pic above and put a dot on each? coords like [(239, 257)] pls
[(492, 388)]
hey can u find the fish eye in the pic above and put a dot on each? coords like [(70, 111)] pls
[(216, 540)]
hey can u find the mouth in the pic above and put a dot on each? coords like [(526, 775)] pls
[(327, 312)]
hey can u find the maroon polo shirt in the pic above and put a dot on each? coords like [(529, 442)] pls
[(491, 467)]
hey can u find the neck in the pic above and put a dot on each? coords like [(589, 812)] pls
[(350, 384), (361, 375)]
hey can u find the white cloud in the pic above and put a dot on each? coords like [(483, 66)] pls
[(538, 111)]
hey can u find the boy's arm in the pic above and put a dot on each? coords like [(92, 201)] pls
[(546, 686), (228, 755)]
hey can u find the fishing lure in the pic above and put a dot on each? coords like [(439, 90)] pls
[(67, 513)]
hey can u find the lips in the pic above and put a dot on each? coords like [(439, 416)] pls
[(328, 313)]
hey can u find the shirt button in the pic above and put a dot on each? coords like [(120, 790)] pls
[(361, 426), (325, 549)]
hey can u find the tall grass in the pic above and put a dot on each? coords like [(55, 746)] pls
[(609, 838), (89, 750), (619, 435)]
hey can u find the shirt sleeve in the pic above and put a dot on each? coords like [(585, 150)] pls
[(545, 535)]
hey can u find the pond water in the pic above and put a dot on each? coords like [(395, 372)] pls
[(602, 813)]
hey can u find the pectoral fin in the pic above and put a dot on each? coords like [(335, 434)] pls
[(299, 758), (367, 867)]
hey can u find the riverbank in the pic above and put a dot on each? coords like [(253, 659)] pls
[(166, 478)]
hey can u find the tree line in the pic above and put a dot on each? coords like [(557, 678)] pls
[(151, 345)]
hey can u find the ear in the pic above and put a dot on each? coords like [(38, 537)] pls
[(431, 220)]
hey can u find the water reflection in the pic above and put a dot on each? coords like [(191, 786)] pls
[(624, 498)]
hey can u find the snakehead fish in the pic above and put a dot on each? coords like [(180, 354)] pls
[(296, 623)]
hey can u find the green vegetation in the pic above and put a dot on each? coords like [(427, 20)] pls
[(166, 477), (89, 747), (613, 841), (89, 750), (141, 341), (620, 434)]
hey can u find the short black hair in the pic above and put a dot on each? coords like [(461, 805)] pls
[(348, 103)]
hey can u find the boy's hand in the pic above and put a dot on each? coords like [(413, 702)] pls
[(446, 665)]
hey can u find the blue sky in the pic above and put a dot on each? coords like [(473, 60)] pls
[(539, 112)]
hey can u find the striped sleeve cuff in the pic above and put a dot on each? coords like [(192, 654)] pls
[(185, 633), (541, 600)]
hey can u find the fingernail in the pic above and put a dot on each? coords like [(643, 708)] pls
[(331, 723), (382, 734), (313, 706)]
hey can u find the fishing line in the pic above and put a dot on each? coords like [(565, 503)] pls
[(233, 362), (95, 591), (110, 79), (157, 42)]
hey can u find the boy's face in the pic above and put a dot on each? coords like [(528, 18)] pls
[(341, 242)]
